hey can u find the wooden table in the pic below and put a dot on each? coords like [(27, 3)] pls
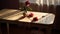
[(45, 20)]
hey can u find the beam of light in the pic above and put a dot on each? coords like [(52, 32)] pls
[(42, 2), (58, 2), (37, 1), (47, 2), (53, 2)]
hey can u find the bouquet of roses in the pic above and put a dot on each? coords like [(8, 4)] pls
[(26, 6)]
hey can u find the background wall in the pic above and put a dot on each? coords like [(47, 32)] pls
[(41, 5), (11, 4), (50, 2)]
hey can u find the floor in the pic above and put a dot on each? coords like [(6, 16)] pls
[(54, 31), (21, 30)]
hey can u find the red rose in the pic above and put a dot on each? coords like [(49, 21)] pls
[(35, 19), (30, 15), (27, 3)]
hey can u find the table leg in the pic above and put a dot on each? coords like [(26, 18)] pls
[(0, 29), (7, 28)]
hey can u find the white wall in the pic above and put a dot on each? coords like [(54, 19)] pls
[(31, 1), (38, 2)]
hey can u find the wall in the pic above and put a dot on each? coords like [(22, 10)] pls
[(11, 4), (40, 5), (31, 1), (57, 18), (14, 4)]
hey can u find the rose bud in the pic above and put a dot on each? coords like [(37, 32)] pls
[(35, 19), (27, 3), (30, 15)]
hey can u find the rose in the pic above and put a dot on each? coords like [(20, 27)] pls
[(35, 19), (31, 15), (27, 3)]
